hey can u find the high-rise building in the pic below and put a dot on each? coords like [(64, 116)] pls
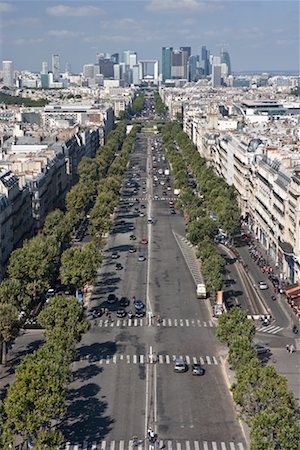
[(68, 67), (166, 62), (115, 58), (89, 71), (205, 60), (126, 56), (225, 59), (45, 68), (188, 50), (56, 67), (8, 73), (193, 72), (136, 75), (132, 60), (179, 63), (216, 75), (106, 67)]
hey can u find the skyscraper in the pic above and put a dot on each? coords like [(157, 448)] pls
[(205, 60), (115, 58), (8, 73), (126, 56), (166, 62), (225, 59), (68, 67), (188, 50), (179, 63), (132, 59), (216, 75), (45, 68), (55, 67)]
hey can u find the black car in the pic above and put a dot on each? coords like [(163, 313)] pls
[(121, 312), (119, 266), (124, 301), (132, 249), (139, 313), (111, 298)]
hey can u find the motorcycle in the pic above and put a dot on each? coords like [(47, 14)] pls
[(295, 329), (273, 298), (130, 315)]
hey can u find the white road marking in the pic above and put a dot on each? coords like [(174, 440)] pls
[(167, 359), (161, 359), (215, 360), (175, 322), (134, 359), (187, 322), (205, 445), (214, 446), (112, 445), (128, 359), (141, 359), (188, 359), (208, 360), (223, 446), (114, 359), (194, 360), (199, 323), (201, 360), (170, 322), (196, 445)]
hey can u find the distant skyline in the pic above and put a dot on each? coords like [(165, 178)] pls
[(259, 35)]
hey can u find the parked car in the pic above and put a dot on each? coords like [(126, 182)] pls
[(132, 249), (115, 255), (121, 313), (124, 301), (119, 266), (261, 348), (138, 304), (144, 241), (111, 299)]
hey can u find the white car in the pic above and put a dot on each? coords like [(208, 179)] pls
[(263, 285)]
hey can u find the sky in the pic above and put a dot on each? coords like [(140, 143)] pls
[(259, 35)]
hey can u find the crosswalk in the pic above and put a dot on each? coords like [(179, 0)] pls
[(155, 197), (150, 358), (270, 329), (163, 323), (165, 444)]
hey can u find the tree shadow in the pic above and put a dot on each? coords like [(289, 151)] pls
[(96, 351), (85, 373), (85, 418)]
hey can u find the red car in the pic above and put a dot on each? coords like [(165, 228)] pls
[(144, 241)]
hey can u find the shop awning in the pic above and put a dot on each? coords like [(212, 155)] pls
[(293, 291), (286, 248)]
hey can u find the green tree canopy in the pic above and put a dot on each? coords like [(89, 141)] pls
[(79, 265), (234, 323), (9, 326)]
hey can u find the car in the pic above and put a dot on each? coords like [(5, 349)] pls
[(172, 211), (197, 370), (261, 348), (142, 206), (130, 204), (138, 304), (142, 214), (121, 312), (141, 257), (131, 226), (171, 204), (139, 313), (114, 255), (132, 249), (155, 197), (180, 365), (124, 301), (119, 266), (111, 299), (262, 285), (150, 220), (144, 241), (168, 188), (132, 237)]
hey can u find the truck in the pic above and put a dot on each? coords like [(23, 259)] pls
[(201, 290)]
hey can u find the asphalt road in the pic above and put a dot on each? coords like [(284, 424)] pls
[(117, 392)]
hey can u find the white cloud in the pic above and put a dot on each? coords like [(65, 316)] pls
[(6, 7), (64, 33), (28, 41), (186, 5), (125, 23), (77, 11)]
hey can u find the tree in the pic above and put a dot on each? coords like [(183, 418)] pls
[(64, 321), (9, 326), (234, 323), (78, 199), (57, 226), (12, 292), (199, 229), (79, 265), (35, 264), (275, 430), (88, 170), (36, 397), (241, 352), (259, 388)]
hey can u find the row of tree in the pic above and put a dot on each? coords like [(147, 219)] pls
[(35, 267), (160, 107), (138, 103), (261, 395), (36, 401), (201, 227)]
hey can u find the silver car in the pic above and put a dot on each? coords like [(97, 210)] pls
[(180, 365)]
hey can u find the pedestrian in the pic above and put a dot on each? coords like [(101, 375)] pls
[(292, 348), (287, 347)]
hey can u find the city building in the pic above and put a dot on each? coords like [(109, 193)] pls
[(166, 63), (45, 68), (225, 59), (216, 75), (8, 73), (56, 67)]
